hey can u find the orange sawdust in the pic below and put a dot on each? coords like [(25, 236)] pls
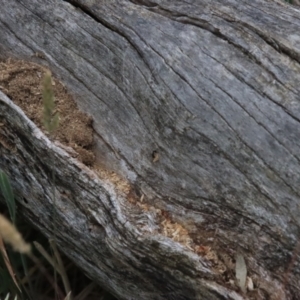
[(121, 185), (22, 81), (178, 233)]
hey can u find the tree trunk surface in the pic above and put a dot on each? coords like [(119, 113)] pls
[(196, 107)]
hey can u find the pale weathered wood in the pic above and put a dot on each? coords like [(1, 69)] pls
[(213, 87)]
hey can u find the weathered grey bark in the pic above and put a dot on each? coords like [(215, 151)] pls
[(213, 86)]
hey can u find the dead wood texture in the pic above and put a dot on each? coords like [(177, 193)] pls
[(211, 89)]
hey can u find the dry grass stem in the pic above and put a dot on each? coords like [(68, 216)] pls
[(11, 236), (61, 270), (86, 291), (45, 254), (8, 264)]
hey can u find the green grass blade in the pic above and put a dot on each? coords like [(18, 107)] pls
[(7, 192), (50, 119)]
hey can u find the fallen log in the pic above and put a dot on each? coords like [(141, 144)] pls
[(195, 110)]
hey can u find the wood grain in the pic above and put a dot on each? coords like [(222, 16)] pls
[(213, 87)]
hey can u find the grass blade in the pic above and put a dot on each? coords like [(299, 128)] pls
[(241, 272), (8, 264)]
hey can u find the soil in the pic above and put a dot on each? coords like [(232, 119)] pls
[(22, 82)]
